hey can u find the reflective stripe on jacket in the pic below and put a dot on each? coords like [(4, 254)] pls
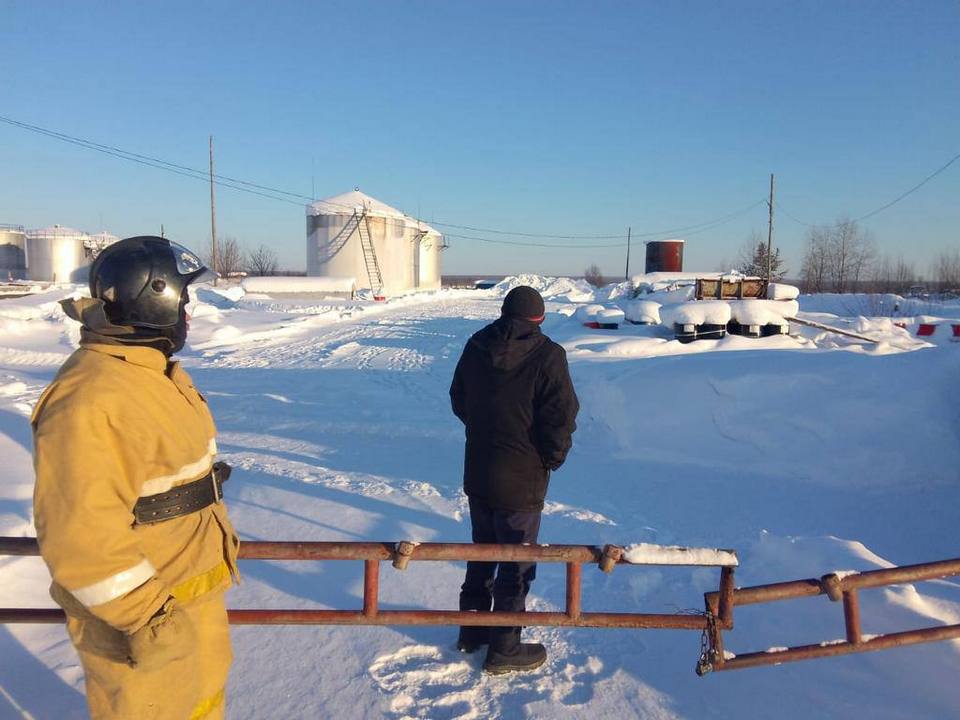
[(119, 423)]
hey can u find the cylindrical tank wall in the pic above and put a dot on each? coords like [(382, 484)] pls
[(57, 257), (333, 249), (430, 261), (13, 253), (327, 251), (664, 256)]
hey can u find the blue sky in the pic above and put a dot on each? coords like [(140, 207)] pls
[(541, 117)]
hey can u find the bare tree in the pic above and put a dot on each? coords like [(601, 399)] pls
[(946, 269), (816, 260), (262, 261), (893, 276), (862, 252), (593, 275), (229, 258), (904, 275), (882, 281), (837, 257)]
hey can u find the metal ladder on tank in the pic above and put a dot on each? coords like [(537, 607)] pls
[(340, 239), (369, 255)]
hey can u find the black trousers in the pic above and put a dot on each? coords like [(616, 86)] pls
[(502, 586)]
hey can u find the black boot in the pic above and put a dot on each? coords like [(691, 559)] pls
[(507, 654), (472, 638)]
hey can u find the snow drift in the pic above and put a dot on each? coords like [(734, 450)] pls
[(549, 287)]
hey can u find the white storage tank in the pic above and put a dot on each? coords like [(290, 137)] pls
[(353, 234), (428, 251), (13, 249), (58, 254), (97, 242)]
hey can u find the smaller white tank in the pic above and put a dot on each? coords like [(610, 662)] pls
[(58, 254), (13, 258), (429, 261), (95, 243)]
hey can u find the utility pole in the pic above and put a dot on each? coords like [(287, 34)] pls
[(161, 231), (770, 234), (627, 273), (213, 217)]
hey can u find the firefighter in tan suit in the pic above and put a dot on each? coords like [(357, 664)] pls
[(128, 497)]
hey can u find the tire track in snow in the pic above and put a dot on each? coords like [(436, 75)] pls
[(285, 345)]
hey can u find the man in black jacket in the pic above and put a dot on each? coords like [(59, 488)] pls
[(513, 392)]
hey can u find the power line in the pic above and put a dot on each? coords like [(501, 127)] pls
[(650, 233), (782, 209), (704, 227), (129, 155), (912, 190), (152, 162), (272, 193), (535, 244), (880, 209), (526, 234), (227, 181)]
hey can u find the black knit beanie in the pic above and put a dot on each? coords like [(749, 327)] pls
[(523, 302)]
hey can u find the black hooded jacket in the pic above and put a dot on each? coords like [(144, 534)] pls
[(513, 392)]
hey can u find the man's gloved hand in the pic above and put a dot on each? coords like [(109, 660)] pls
[(169, 635)]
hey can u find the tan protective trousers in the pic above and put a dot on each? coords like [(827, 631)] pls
[(193, 688)]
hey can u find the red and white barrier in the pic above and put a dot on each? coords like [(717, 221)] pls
[(929, 330)]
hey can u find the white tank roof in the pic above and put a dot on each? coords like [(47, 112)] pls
[(346, 203), (56, 231)]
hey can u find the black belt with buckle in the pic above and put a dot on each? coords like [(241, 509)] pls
[(183, 499)]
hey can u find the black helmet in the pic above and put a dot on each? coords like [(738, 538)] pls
[(141, 280)]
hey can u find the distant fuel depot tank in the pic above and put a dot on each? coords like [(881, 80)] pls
[(57, 254), (13, 257), (664, 256)]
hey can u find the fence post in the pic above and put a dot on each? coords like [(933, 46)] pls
[(371, 587), (574, 571)]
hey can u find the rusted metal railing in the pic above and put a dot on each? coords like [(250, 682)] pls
[(720, 615), (400, 554), (717, 618)]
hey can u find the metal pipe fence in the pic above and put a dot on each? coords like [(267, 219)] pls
[(717, 618), (372, 554), (838, 589)]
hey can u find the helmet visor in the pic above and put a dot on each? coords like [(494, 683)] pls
[(189, 265)]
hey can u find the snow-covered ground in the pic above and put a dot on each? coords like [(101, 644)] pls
[(807, 453)]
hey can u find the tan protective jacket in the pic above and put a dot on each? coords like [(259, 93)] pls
[(119, 423)]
